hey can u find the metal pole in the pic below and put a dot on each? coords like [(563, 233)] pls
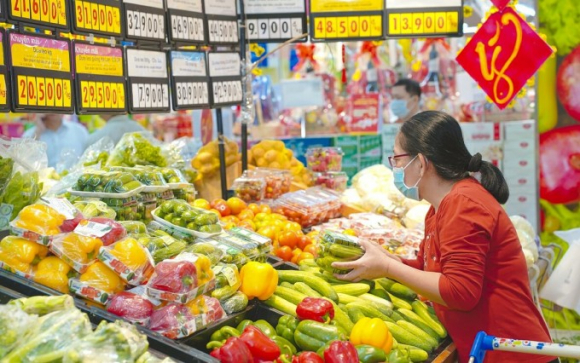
[(222, 153), (245, 74)]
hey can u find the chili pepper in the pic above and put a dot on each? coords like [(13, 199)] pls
[(81, 249), (233, 351), (224, 333), (21, 254), (373, 332), (341, 352), (370, 354), (311, 335), (258, 280), (285, 346), (130, 253), (174, 276), (307, 357), (316, 309), (52, 272), (398, 356), (261, 347), (99, 276), (286, 327)]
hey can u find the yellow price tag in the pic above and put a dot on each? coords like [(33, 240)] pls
[(353, 27), (116, 20), (319, 28), (79, 14), (45, 11), (84, 91), (58, 92), (49, 92), (452, 22), (121, 94), (100, 95), (418, 23), (102, 18), (365, 26), (394, 24), (62, 12), (376, 26), (342, 27), (87, 15), (41, 87), (331, 29), (31, 85), (406, 23), (107, 91), (92, 96), (429, 20), (22, 91), (67, 93), (95, 16), (440, 23), (3, 90)]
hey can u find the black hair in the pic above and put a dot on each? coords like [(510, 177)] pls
[(412, 87), (438, 137)]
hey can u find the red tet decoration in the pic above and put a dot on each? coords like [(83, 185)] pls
[(503, 54), (500, 4)]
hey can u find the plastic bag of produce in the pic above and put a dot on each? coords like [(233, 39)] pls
[(337, 247), (103, 184), (179, 215), (526, 236), (228, 281), (162, 246), (43, 305), (14, 325), (20, 255), (137, 148), (129, 259), (133, 307), (95, 208), (96, 155), (98, 283), (110, 342)]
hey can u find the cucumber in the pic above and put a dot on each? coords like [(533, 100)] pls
[(415, 354), (400, 303), (287, 285), (399, 290), (318, 284), (281, 304), (369, 310), (414, 319), (380, 293), (308, 262), (421, 309), (347, 299), (418, 333), (309, 269), (384, 306), (293, 296), (385, 283), (396, 316), (352, 289), (354, 313), (403, 336), (345, 252), (341, 318), (306, 290)]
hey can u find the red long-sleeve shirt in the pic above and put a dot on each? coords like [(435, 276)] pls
[(484, 282)]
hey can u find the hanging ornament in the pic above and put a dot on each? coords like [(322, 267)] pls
[(305, 54)]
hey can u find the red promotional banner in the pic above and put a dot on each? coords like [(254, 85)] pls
[(503, 54), (365, 113), (500, 4)]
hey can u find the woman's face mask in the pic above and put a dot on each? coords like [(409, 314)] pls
[(399, 180)]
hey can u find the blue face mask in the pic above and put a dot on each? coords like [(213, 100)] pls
[(399, 179), (399, 108)]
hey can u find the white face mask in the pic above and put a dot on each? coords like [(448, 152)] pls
[(399, 180)]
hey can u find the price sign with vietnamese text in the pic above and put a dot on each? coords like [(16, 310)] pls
[(343, 20), (41, 74), (99, 17), (100, 79), (45, 13), (189, 80), (225, 79), (275, 20), (425, 18), (186, 23), (4, 94), (147, 80), (221, 22), (144, 20)]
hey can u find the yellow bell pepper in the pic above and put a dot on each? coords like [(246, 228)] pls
[(41, 219), (81, 249), (204, 271), (130, 253), (21, 254), (197, 306), (372, 332), (99, 276), (258, 280), (52, 272)]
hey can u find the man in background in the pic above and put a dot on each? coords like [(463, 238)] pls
[(116, 127), (406, 99), (64, 139)]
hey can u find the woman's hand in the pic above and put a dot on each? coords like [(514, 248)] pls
[(373, 264)]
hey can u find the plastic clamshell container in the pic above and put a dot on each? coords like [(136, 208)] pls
[(333, 180), (230, 254), (264, 243), (250, 189), (278, 182), (248, 248), (324, 159), (183, 229), (303, 208), (57, 249)]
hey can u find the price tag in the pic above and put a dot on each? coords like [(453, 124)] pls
[(102, 17), (4, 94), (147, 80), (190, 82), (144, 20), (221, 21), (424, 18), (276, 20), (41, 74), (99, 76), (52, 14), (343, 20), (186, 21), (225, 78)]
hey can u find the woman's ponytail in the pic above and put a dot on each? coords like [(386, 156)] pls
[(493, 181)]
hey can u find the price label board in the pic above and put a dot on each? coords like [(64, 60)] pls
[(144, 20), (425, 18), (147, 80), (344, 20), (52, 14), (221, 22), (225, 78), (100, 79), (186, 24), (4, 94), (98, 17), (189, 80), (275, 21), (41, 74)]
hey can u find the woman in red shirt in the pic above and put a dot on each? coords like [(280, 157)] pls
[(470, 264)]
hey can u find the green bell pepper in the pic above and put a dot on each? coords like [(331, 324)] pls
[(286, 347), (370, 354), (311, 335), (224, 333), (242, 325), (263, 325), (286, 327)]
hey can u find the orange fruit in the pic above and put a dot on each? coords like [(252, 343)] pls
[(230, 219), (246, 214), (284, 253), (201, 203), (248, 224), (311, 249), (288, 238), (295, 253), (268, 232), (265, 208), (293, 226), (254, 208), (229, 225), (303, 241), (304, 256), (236, 205)]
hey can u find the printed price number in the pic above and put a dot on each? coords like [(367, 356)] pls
[(187, 28), (424, 23), (227, 92), (191, 93), (150, 96), (95, 17), (44, 92), (344, 27), (223, 31), (102, 95), (275, 28), (145, 25), (50, 12)]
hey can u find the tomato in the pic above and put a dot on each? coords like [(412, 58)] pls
[(295, 253), (230, 219), (311, 249), (304, 256), (265, 208), (202, 204), (288, 238), (284, 253), (236, 205), (246, 214), (292, 226), (304, 241), (215, 202), (223, 208), (254, 208)]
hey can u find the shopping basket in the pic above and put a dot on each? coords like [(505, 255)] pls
[(484, 343)]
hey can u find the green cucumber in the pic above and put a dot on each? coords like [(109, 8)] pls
[(416, 320), (399, 290), (293, 296), (400, 303), (369, 310), (347, 299), (318, 284), (380, 293), (281, 304), (396, 316), (341, 317), (385, 283), (355, 314), (287, 285), (415, 354), (384, 306), (403, 336), (417, 332), (422, 310), (354, 289), (345, 252), (306, 290)]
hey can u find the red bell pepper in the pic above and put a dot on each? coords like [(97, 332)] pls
[(116, 233), (170, 317), (174, 276), (233, 351), (311, 308), (340, 352), (307, 357), (130, 306), (261, 347)]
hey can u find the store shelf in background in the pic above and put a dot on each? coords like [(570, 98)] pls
[(300, 145)]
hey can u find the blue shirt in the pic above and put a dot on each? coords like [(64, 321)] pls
[(115, 128), (68, 141)]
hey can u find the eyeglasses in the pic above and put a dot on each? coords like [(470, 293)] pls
[(394, 157)]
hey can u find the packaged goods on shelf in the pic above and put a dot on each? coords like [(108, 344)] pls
[(324, 159), (249, 189), (180, 215), (336, 181)]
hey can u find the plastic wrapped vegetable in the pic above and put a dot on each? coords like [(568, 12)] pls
[(43, 305), (130, 306), (207, 249), (526, 236), (134, 227), (95, 208), (99, 276), (41, 219), (21, 254), (228, 281), (129, 259), (14, 324), (109, 235), (78, 249), (53, 272), (22, 190), (165, 247), (137, 148), (235, 303), (6, 167), (170, 317)]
